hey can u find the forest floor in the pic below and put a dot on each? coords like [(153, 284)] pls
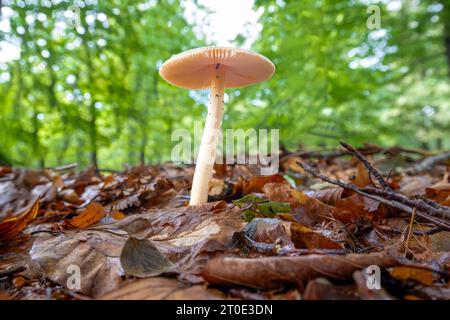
[(309, 232)]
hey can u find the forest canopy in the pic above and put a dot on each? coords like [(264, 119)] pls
[(86, 89)]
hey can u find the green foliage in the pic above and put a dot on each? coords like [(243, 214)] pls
[(92, 94)]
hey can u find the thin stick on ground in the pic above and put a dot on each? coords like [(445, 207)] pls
[(392, 203), (428, 163), (371, 169)]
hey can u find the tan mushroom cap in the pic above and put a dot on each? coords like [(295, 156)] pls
[(194, 69)]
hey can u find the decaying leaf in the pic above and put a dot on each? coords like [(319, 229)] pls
[(420, 275), (140, 258), (306, 210), (161, 289), (92, 214), (273, 272), (355, 207), (13, 226), (304, 237), (256, 184), (187, 236)]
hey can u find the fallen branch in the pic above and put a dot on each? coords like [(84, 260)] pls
[(392, 203), (371, 169), (427, 163)]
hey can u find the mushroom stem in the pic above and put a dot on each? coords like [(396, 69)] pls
[(211, 132)]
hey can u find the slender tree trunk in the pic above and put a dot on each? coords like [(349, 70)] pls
[(93, 135), (446, 16), (143, 143), (36, 143)]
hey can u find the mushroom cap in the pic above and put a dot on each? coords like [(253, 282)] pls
[(194, 69)]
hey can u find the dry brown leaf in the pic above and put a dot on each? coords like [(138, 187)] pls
[(355, 207), (92, 214), (329, 195), (9, 228), (439, 192), (362, 178), (141, 258), (161, 289), (256, 184), (188, 236), (69, 195), (323, 289), (117, 215), (306, 210), (304, 237), (95, 253), (424, 276), (414, 185), (274, 272)]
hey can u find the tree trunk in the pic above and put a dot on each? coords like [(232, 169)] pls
[(93, 135)]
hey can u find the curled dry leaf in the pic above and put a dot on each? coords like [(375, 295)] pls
[(273, 272), (362, 178), (92, 214), (162, 289), (142, 259), (9, 228)]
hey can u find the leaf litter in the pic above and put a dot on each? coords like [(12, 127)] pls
[(308, 232)]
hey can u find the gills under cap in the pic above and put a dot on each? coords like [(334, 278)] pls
[(194, 69)]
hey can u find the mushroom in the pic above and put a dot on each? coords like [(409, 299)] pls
[(215, 68)]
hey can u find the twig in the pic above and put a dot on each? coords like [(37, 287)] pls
[(430, 206), (427, 163), (372, 170), (392, 203)]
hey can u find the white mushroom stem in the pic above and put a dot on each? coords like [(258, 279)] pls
[(211, 133)]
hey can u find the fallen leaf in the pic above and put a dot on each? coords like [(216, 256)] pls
[(409, 273), (273, 272), (142, 259), (306, 210), (415, 185), (13, 226), (93, 213), (329, 195), (162, 289), (362, 178), (117, 215), (188, 236), (255, 184), (95, 253), (439, 192), (323, 289), (355, 207), (304, 237), (364, 292)]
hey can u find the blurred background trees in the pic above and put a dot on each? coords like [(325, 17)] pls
[(85, 87)]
